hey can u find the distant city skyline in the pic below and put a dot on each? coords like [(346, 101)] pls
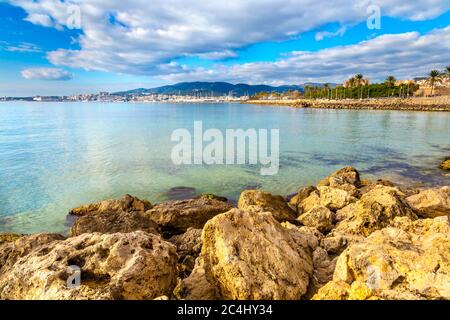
[(49, 47)]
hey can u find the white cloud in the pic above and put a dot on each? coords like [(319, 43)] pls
[(402, 55), (327, 34), (46, 74), (20, 47), (144, 37)]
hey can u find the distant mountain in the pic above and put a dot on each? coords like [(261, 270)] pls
[(210, 88)]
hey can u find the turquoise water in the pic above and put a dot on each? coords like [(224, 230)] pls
[(55, 156)]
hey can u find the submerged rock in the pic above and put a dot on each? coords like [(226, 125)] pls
[(431, 203), (260, 201), (178, 216), (249, 255), (181, 193), (408, 260), (133, 265)]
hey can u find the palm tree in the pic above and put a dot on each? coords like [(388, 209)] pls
[(359, 79), (390, 81), (434, 77), (447, 72)]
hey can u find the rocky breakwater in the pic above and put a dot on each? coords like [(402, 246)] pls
[(345, 238)]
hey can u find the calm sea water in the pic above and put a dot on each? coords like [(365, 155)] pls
[(55, 156)]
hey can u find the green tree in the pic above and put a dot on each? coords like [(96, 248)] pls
[(390, 81), (434, 77)]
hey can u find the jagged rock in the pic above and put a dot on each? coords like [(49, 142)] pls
[(312, 200), (342, 177), (133, 265), (406, 261), (346, 212), (178, 216), (196, 286), (431, 203), (319, 217), (301, 195), (189, 245), (127, 204), (324, 266), (375, 210), (367, 185), (445, 165), (248, 255), (112, 222), (8, 237), (259, 201), (11, 251), (335, 198), (111, 216)]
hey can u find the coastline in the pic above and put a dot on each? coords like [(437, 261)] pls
[(205, 248), (441, 103)]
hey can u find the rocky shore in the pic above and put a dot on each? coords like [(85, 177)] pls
[(411, 104), (345, 238)]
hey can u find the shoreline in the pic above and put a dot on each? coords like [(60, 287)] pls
[(199, 248), (436, 104)]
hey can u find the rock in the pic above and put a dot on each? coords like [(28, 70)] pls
[(319, 217), (112, 222), (177, 216), (8, 237), (162, 298), (431, 203), (308, 203), (342, 177), (408, 260), (127, 204), (301, 195), (133, 265), (259, 201), (445, 165), (181, 193), (249, 255), (324, 266), (212, 196), (375, 210), (334, 198), (346, 212), (189, 245), (196, 286)]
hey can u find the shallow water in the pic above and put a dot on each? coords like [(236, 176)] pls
[(55, 156)]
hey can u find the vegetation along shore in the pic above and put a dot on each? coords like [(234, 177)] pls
[(345, 238)]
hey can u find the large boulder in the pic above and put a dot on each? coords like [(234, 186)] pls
[(134, 265), (301, 195), (375, 210), (335, 198), (112, 222), (189, 245), (260, 201), (177, 216), (342, 178), (431, 203), (126, 204), (111, 216), (319, 217), (409, 260), (249, 255)]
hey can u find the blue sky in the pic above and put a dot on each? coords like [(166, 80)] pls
[(53, 47)]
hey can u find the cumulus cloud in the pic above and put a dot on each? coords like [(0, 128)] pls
[(144, 38), (46, 74), (404, 55)]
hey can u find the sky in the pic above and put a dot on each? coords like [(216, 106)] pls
[(64, 47)]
